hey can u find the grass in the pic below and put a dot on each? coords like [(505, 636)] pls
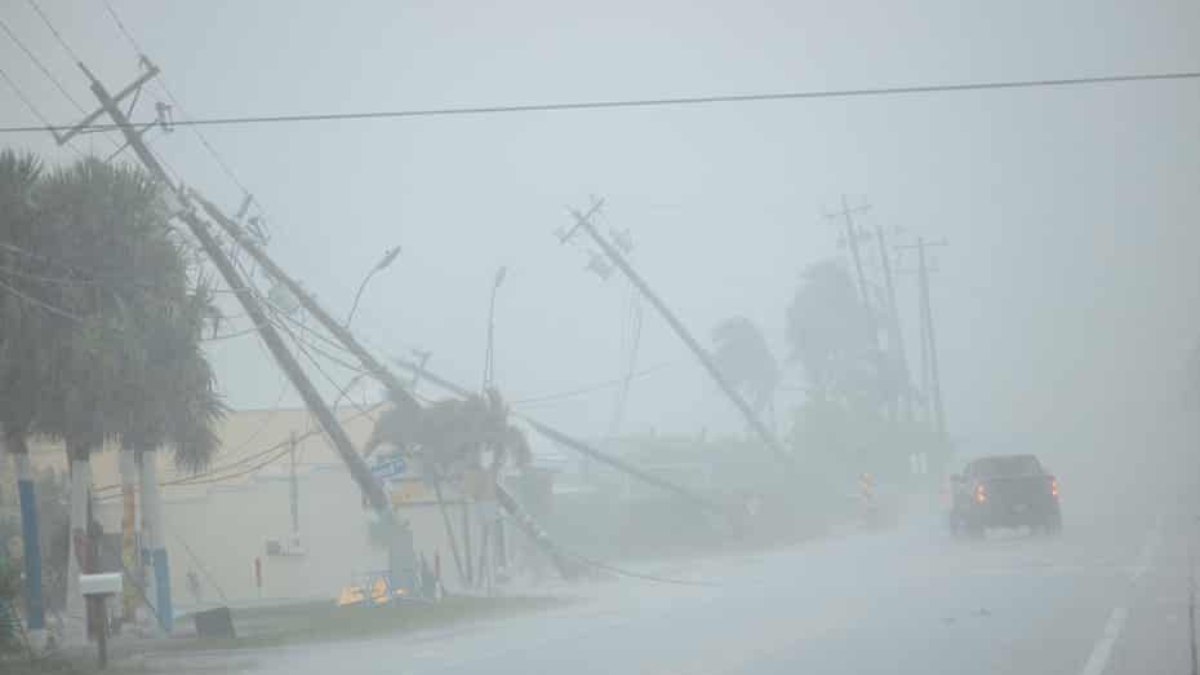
[(325, 621), (266, 627)]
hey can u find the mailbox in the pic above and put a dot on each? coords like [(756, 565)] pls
[(100, 584)]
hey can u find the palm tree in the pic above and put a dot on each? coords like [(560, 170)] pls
[(448, 441), (743, 357), (129, 366), (172, 403), (831, 335), (21, 353)]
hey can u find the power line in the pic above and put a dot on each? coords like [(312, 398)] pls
[(210, 476), (121, 26), (58, 36), (653, 102), (42, 67), (30, 106), (302, 345), (183, 116), (231, 336), (588, 389)]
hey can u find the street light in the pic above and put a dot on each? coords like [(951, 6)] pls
[(489, 367), (389, 257)]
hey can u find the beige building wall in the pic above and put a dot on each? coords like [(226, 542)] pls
[(219, 522)]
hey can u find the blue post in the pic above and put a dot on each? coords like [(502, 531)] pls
[(162, 586), (35, 606)]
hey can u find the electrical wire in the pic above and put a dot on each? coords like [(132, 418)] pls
[(661, 102), (219, 474), (231, 336), (112, 12), (58, 36), (32, 108), (42, 67), (626, 572), (162, 82), (22, 97), (588, 389)]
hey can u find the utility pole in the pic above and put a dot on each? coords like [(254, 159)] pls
[(489, 355), (895, 334), (931, 376), (294, 488), (852, 234), (358, 469), (393, 384), (403, 555), (583, 221), (855, 254)]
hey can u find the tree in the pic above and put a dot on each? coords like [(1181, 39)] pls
[(832, 336), (743, 357), (448, 441), (127, 366), (171, 403), (841, 429), (22, 356)]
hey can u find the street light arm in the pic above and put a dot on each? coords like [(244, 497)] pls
[(358, 296)]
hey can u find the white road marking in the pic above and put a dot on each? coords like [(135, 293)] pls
[(1098, 660), (1148, 551), (1102, 650)]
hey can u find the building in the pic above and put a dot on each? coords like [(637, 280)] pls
[(277, 517)]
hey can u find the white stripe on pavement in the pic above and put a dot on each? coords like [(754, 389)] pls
[(1102, 650), (1098, 660)]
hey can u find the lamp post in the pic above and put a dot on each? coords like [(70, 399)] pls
[(489, 360), (389, 257), (489, 375)]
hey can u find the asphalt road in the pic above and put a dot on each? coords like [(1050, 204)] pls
[(1107, 596)]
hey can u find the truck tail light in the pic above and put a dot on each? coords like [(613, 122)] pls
[(980, 494), (1054, 488)]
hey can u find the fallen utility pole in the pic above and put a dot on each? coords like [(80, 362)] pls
[(371, 364), (393, 384), (404, 556), (583, 221), (396, 389)]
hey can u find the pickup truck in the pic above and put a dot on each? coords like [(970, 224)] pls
[(1004, 491)]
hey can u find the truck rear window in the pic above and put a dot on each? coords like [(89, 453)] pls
[(1001, 467)]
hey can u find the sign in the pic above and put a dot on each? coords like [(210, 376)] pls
[(390, 468)]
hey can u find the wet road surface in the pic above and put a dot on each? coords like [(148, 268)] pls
[(1107, 596)]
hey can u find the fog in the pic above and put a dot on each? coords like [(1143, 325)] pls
[(1065, 301)]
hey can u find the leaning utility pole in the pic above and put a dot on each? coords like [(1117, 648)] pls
[(895, 334), (855, 254), (928, 335), (399, 392), (371, 488), (583, 221), (371, 364)]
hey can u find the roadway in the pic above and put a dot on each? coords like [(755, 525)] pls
[(1107, 596)]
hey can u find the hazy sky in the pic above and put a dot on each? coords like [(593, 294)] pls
[(1069, 292)]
